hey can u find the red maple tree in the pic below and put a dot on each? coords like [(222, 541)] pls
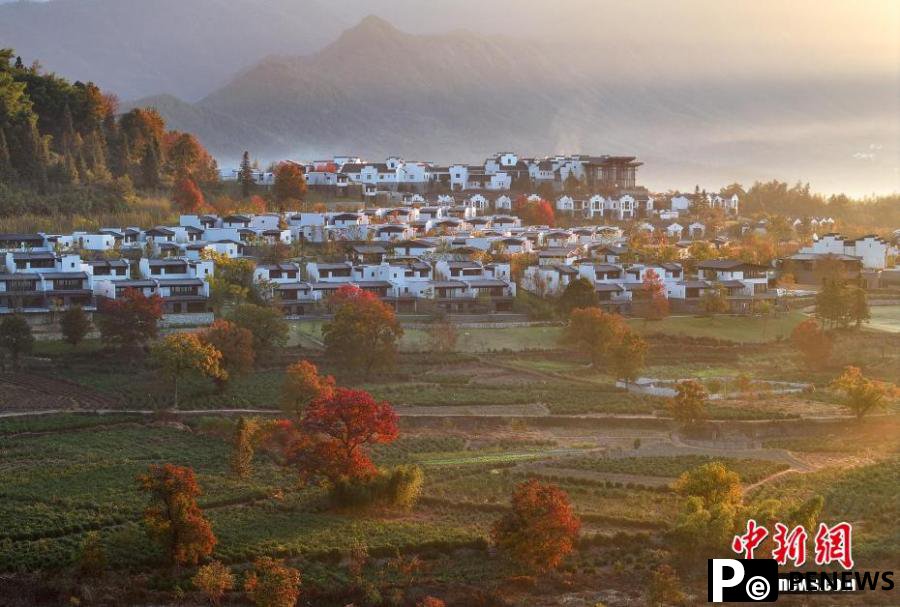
[(534, 212), (657, 304), (129, 320), (187, 196), (173, 517), (336, 431), (540, 529)]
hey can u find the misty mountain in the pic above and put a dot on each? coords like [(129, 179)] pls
[(460, 96), (143, 47)]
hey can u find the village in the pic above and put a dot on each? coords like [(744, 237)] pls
[(544, 326), (469, 250)]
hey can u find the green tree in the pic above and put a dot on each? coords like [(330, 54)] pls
[(579, 293), (627, 356), (714, 300), (243, 447), (181, 353), (688, 406), (857, 305), (75, 325), (245, 175), (16, 337), (150, 163), (267, 325)]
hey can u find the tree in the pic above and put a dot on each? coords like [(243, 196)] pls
[(712, 483), (594, 331), (214, 580), (336, 434), (182, 353), (150, 162), (858, 305), (130, 320), (235, 344), (579, 293), (271, 583), (540, 529), (665, 588), (188, 197), (75, 325), (173, 519), (657, 304), (688, 406), (627, 356), (302, 385), (364, 332), (860, 394), (714, 300), (245, 175), (267, 325), (430, 601), (812, 342), (443, 336), (92, 560), (16, 336), (243, 446), (534, 212), (290, 183)]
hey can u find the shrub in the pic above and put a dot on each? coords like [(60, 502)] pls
[(397, 487), (214, 580), (272, 584)]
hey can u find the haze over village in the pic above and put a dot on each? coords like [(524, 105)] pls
[(446, 304)]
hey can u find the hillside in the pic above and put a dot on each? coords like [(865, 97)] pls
[(187, 48), (377, 90)]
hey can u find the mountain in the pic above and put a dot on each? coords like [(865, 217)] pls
[(459, 96), (182, 47)]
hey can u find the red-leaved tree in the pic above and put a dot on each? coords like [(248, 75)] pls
[(364, 332), (657, 304), (534, 212), (131, 320), (540, 529), (335, 433), (173, 517), (187, 196)]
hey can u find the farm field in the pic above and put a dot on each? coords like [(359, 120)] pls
[(885, 318), (477, 423)]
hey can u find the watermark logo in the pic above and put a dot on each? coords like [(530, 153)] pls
[(742, 580), (755, 579)]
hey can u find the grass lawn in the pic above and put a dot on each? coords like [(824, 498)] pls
[(308, 333), (733, 328), (885, 318)]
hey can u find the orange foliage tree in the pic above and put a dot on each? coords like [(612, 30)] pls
[(302, 385), (336, 432), (540, 529), (188, 197), (182, 353), (173, 518), (534, 212), (236, 347), (657, 306), (271, 583), (290, 183), (812, 342), (364, 332), (595, 332)]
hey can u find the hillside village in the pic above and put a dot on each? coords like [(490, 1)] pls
[(466, 250)]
